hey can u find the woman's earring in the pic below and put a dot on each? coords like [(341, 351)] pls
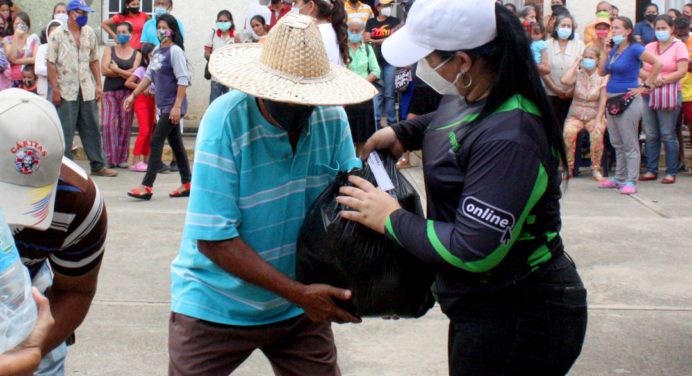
[(464, 85)]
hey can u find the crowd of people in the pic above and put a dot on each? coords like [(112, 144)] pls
[(624, 84), (504, 103)]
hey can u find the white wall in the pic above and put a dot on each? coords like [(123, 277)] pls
[(198, 17), (585, 10)]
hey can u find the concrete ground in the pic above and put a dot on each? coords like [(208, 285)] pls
[(633, 253)]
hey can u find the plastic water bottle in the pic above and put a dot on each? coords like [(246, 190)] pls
[(17, 305)]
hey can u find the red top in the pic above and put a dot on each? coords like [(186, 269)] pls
[(284, 10), (137, 22)]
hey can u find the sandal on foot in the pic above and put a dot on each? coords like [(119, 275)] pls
[(183, 193), (669, 179), (146, 195)]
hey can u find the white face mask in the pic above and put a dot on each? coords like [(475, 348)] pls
[(433, 79), (387, 11), (62, 17)]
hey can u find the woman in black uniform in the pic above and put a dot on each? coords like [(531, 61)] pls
[(491, 153)]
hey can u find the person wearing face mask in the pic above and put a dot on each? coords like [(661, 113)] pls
[(363, 63), (563, 52), (621, 59), (587, 111), (74, 75), (377, 30), (132, 14), (687, 11), (169, 72), (41, 64), (149, 30), (264, 153), (330, 17), (557, 8), (222, 35), (515, 301), (662, 104), (601, 33), (117, 64), (358, 11), (257, 8), (20, 47), (602, 11), (644, 32), (28, 79), (59, 14)]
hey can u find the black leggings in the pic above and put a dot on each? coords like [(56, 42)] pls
[(535, 328), (163, 130)]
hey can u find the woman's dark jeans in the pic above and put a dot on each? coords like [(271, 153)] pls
[(163, 130), (537, 327)]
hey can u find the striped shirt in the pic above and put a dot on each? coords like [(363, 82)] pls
[(247, 182), (361, 12), (75, 242)]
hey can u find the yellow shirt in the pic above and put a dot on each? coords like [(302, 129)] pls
[(361, 12), (687, 80)]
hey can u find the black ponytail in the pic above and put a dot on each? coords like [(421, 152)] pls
[(334, 11), (509, 57)]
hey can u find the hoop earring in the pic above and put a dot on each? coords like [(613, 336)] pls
[(463, 85)]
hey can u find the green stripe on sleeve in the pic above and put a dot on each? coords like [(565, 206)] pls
[(495, 257), (390, 229)]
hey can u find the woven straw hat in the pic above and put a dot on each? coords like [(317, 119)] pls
[(290, 67)]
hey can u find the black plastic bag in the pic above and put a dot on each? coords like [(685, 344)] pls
[(384, 278)]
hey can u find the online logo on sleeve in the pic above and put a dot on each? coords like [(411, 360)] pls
[(490, 216)]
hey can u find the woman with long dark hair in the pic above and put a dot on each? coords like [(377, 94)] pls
[(169, 72), (492, 153), (330, 17)]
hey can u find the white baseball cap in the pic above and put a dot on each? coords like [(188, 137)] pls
[(31, 152), (446, 25)]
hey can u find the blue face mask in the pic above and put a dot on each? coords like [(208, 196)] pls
[(123, 39), (564, 33), (588, 63), (223, 26), (160, 11), (618, 39), (355, 37), (663, 35), (82, 20)]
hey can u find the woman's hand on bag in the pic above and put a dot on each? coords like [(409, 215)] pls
[(384, 139), (371, 206), (639, 91)]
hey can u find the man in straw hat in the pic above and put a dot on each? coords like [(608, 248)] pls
[(57, 215), (265, 151)]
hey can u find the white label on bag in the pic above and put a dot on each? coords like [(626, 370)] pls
[(384, 182)]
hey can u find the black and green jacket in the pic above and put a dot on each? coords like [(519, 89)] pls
[(493, 193)]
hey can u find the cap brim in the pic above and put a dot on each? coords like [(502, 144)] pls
[(30, 206), (238, 66), (399, 49)]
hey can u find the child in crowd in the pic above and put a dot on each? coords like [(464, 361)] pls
[(587, 110), (145, 111), (539, 48), (28, 79)]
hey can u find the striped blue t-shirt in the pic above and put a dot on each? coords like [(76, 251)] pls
[(248, 182)]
